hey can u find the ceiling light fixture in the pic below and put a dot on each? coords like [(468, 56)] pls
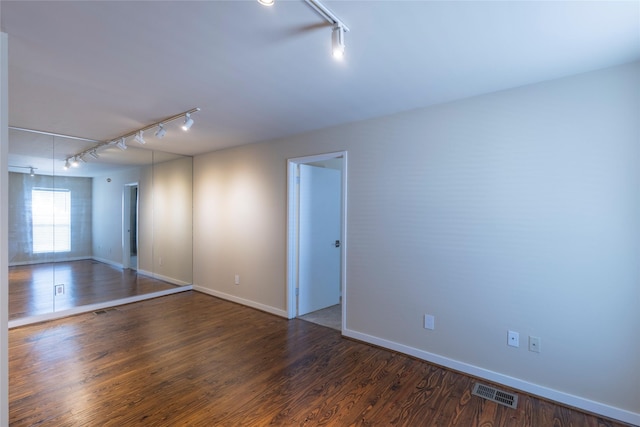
[(161, 132), (339, 28), (266, 2), (337, 42), (139, 138), (75, 163), (31, 172), (66, 165), (188, 122), (121, 144)]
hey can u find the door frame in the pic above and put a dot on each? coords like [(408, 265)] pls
[(126, 223), (293, 203)]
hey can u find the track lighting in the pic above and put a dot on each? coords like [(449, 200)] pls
[(31, 172), (160, 133), (266, 2), (121, 141), (139, 138), (337, 42), (188, 122)]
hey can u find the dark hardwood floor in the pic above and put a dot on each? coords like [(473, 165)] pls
[(192, 359), (31, 287)]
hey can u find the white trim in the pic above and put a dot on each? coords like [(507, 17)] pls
[(531, 388), (168, 279), (51, 261), (4, 228), (292, 228), (248, 303), (107, 261), (93, 307)]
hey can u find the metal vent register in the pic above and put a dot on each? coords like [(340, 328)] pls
[(502, 397)]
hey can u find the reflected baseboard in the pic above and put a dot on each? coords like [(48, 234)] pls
[(93, 307), (167, 279), (107, 261)]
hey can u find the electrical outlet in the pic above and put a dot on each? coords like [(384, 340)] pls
[(59, 290), (429, 322), (534, 344), (513, 339), (237, 279)]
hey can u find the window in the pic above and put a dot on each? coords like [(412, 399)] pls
[(51, 219)]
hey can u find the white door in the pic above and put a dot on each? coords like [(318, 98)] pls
[(319, 238)]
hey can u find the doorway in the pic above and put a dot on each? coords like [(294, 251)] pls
[(316, 236), (130, 226)]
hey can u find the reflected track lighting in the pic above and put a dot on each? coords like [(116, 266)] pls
[(161, 132), (120, 141), (139, 138), (188, 122), (122, 144)]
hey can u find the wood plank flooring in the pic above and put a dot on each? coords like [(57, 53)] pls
[(31, 287), (192, 359)]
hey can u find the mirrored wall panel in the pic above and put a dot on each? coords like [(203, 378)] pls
[(111, 225)]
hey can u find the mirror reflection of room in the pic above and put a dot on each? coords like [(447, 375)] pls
[(89, 234)]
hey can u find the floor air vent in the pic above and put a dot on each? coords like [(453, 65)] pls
[(106, 310), (495, 395)]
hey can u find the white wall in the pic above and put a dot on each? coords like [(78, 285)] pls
[(165, 219), (107, 215), (515, 210), (172, 219)]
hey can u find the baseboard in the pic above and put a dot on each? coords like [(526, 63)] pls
[(107, 261), (525, 386), (49, 261), (249, 303), (168, 279), (93, 307)]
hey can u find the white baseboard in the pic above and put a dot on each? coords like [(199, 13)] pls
[(168, 279), (49, 261), (534, 389), (107, 261), (249, 303), (93, 307)]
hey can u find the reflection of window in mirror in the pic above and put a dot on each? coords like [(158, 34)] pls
[(51, 220)]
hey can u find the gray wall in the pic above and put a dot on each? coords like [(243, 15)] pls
[(515, 210)]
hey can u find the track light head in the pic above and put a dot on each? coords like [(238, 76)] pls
[(31, 172), (266, 2), (94, 154), (67, 165), (75, 163), (122, 144), (139, 138), (188, 122), (337, 42), (160, 133)]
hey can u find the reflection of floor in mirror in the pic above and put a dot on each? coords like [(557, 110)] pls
[(330, 317), (35, 289)]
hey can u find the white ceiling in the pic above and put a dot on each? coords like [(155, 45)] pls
[(100, 69)]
